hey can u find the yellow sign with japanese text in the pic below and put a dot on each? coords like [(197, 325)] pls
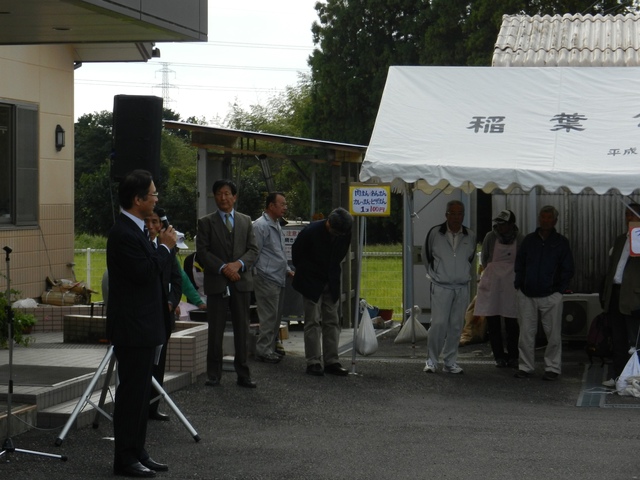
[(370, 200)]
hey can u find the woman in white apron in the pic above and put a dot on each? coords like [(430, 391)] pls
[(496, 298)]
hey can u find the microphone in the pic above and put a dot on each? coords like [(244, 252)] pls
[(163, 217)]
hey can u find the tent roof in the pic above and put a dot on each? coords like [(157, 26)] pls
[(487, 128)]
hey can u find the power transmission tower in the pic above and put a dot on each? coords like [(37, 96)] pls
[(165, 85)]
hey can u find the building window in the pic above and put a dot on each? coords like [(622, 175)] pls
[(18, 164)]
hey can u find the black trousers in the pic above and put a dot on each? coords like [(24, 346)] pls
[(159, 369), (624, 334), (131, 411), (494, 325)]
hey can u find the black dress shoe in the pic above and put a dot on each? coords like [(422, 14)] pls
[(156, 415), (212, 382), (134, 470), (151, 464), (315, 370), (336, 369), (246, 382)]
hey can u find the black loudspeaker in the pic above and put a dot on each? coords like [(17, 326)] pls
[(137, 125)]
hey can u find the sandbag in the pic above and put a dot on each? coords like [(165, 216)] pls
[(411, 325), (366, 340)]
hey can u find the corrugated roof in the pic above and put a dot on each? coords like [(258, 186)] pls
[(568, 41)]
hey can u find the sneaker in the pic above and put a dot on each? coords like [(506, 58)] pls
[(611, 383), (550, 376), (429, 367), (455, 369)]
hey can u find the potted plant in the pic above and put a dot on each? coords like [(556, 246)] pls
[(22, 323)]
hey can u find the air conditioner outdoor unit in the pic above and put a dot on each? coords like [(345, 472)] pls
[(578, 311)]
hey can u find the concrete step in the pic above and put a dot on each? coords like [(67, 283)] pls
[(58, 415), (23, 416), (45, 396)]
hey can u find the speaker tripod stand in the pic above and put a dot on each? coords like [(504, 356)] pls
[(7, 446), (85, 399)]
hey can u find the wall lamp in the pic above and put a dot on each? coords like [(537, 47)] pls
[(59, 137)]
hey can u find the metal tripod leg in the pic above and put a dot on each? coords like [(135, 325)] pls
[(103, 396), (175, 409), (86, 396)]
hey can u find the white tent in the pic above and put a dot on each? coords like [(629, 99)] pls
[(487, 128), (501, 127)]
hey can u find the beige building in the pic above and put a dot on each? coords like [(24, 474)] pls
[(42, 42)]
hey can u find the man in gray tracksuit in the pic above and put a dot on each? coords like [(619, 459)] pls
[(448, 253)]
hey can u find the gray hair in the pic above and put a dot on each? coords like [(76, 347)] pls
[(549, 209), (451, 203), (340, 221)]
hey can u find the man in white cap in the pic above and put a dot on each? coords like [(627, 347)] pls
[(496, 297)]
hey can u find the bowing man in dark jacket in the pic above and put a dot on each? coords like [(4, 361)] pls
[(135, 320), (171, 293), (316, 255)]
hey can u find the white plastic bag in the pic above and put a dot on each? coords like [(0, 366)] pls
[(366, 340), (405, 335), (627, 382)]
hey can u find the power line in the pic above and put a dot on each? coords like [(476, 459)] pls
[(251, 45), (116, 83), (237, 67)]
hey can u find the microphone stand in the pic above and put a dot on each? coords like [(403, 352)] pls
[(7, 446)]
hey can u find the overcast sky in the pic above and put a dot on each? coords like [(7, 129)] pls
[(255, 49)]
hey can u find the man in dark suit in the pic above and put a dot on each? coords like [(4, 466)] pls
[(316, 255), (227, 249), (171, 293), (135, 321)]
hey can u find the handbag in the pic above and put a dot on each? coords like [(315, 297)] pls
[(366, 340), (405, 335)]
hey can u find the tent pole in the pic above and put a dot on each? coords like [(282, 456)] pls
[(407, 256), (356, 310)]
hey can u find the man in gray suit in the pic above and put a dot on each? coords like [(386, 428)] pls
[(226, 249)]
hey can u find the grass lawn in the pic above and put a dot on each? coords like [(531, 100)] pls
[(381, 281)]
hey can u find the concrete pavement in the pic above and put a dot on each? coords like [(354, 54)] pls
[(389, 420)]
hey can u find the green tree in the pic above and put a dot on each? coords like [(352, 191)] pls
[(178, 189), (96, 202), (92, 137), (357, 41), (283, 114)]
